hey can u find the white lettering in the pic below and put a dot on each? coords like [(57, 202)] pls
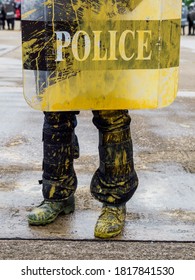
[(76, 41), (62, 36), (97, 44), (138, 47), (122, 44), (143, 44)]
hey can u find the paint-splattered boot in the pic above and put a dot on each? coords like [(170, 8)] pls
[(48, 211), (111, 221)]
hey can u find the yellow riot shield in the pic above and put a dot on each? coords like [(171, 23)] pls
[(97, 54)]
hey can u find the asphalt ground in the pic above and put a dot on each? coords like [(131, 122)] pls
[(161, 215)]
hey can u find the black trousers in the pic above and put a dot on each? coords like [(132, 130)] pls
[(115, 180)]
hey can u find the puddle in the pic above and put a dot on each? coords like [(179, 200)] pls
[(17, 140)]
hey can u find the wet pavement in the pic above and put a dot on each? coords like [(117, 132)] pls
[(163, 208)]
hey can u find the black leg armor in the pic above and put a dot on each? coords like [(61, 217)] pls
[(60, 149), (115, 181)]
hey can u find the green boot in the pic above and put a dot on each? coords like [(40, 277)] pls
[(111, 221), (48, 211)]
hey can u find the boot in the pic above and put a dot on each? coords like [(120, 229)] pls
[(48, 211), (111, 221)]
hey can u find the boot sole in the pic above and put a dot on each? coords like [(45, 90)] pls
[(107, 235)]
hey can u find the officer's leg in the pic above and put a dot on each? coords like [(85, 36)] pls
[(3, 23), (59, 179), (8, 24), (12, 23), (189, 28), (115, 181)]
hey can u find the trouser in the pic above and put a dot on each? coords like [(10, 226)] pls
[(10, 23), (114, 182), (3, 23), (190, 27)]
